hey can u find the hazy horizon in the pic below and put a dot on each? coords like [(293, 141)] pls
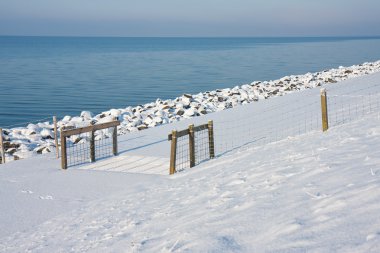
[(198, 18)]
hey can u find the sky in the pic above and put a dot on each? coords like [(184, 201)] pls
[(190, 18)]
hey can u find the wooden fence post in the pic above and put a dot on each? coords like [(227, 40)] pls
[(92, 146), (211, 139), (56, 136), (63, 150), (2, 146), (192, 145), (325, 119), (173, 153), (114, 141)]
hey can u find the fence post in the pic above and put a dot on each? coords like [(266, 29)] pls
[(325, 119), (192, 145), (63, 150), (114, 141), (2, 146), (211, 139), (56, 136), (173, 152), (92, 146)]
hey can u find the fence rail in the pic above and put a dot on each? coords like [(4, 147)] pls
[(85, 147)]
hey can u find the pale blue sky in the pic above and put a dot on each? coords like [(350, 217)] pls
[(190, 17)]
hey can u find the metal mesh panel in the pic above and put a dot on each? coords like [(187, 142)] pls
[(78, 149), (103, 146), (183, 155), (202, 150), (263, 127), (347, 108)]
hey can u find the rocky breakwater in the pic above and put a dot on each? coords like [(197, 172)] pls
[(38, 138)]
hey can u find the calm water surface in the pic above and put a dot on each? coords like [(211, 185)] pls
[(44, 76)]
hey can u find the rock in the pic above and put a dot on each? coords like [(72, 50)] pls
[(11, 151), (142, 127), (180, 112), (38, 150), (148, 121), (190, 112), (47, 134), (86, 115), (115, 113)]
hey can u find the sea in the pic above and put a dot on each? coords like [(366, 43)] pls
[(45, 76)]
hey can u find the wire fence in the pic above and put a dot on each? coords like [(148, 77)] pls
[(78, 147), (202, 144), (191, 146), (347, 108), (88, 144), (274, 123), (182, 160), (265, 126)]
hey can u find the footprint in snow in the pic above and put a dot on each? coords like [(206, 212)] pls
[(47, 197), (27, 191)]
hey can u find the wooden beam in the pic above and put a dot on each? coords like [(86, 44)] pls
[(192, 146), (114, 141), (92, 146), (63, 150), (2, 146), (179, 134), (173, 153), (87, 129), (325, 118), (211, 139), (56, 136)]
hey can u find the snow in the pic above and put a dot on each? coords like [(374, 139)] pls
[(319, 193), (309, 192)]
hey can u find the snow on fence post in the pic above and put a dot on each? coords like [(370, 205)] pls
[(2, 146), (211, 139), (56, 136), (192, 145), (63, 150), (325, 119), (173, 152)]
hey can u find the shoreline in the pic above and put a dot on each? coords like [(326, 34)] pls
[(23, 142)]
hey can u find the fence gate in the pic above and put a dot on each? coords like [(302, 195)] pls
[(191, 146), (87, 144)]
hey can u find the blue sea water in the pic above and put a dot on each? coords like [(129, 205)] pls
[(45, 76)]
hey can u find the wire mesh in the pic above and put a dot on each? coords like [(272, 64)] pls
[(202, 148), (346, 108), (79, 151), (183, 153), (265, 126), (104, 144)]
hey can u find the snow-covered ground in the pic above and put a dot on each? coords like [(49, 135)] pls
[(317, 192), (313, 192)]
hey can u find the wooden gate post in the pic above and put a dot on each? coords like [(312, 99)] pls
[(325, 119), (92, 146), (114, 141), (192, 145), (63, 150), (56, 136), (2, 146), (173, 153), (211, 139)]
